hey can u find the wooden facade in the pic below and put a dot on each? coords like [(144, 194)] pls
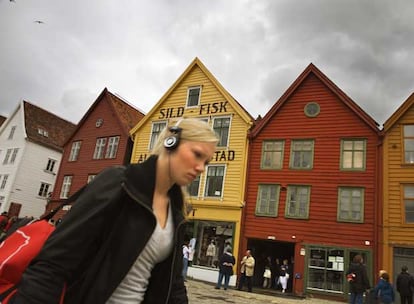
[(398, 189), (215, 216), (308, 215), (110, 119)]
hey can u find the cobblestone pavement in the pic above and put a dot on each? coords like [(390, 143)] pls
[(204, 293)]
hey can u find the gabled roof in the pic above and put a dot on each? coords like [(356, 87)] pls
[(45, 128), (2, 119), (403, 108), (312, 69), (197, 62), (127, 115)]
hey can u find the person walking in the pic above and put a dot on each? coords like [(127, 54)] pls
[(186, 255), (405, 286), (267, 274), (358, 280), (226, 264), (246, 271), (284, 275), (121, 242), (384, 290)]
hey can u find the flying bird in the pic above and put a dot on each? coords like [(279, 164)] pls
[(38, 21)]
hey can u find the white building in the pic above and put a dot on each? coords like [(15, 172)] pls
[(31, 141)]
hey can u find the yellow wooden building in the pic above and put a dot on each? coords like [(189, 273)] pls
[(217, 197), (398, 190)]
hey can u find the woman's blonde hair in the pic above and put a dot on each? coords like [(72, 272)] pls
[(192, 129)]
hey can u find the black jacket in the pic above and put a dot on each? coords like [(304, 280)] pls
[(228, 259), (97, 242), (361, 282), (405, 284)]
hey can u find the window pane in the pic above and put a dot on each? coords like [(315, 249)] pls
[(409, 130)]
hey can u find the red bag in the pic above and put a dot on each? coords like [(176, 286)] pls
[(18, 250), (21, 247)]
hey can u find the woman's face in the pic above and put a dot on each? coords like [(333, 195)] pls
[(189, 160)]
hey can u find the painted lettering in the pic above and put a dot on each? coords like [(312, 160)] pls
[(212, 108), (171, 112), (224, 155)]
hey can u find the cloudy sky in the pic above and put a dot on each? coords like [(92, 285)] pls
[(255, 48)]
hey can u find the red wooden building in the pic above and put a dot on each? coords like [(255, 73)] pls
[(100, 140), (311, 194)]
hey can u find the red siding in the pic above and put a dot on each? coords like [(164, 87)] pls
[(335, 121)]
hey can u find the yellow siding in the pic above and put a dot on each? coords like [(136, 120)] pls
[(229, 208), (395, 232)]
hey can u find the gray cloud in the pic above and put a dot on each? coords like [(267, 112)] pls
[(256, 49)]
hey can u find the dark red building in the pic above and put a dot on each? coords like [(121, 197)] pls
[(100, 140), (311, 194)]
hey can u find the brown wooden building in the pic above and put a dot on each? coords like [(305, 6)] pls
[(311, 194), (398, 190), (100, 140)]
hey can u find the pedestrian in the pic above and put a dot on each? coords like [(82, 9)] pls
[(186, 255), (246, 271), (405, 286), (276, 273), (358, 280), (226, 264), (267, 274), (121, 242), (284, 275), (210, 253), (384, 290)]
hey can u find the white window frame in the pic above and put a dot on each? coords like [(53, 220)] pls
[(12, 131), (50, 165), (100, 148), (74, 151), (14, 155), (220, 135), (67, 183), (156, 129), (112, 148), (44, 189), (208, 179), (90, 177), (7, 157), (4, 181), (189, 90)]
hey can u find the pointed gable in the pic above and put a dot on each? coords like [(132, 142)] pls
[(127, 115), (313, 70), (46, 128), (400, 112), (196, 64)]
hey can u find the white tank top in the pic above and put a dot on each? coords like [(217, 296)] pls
[(132, 288)]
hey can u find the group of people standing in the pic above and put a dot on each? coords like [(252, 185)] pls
[(383, 291)]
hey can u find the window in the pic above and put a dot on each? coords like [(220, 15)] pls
[(4, 181), (43, 132), (312, 109), (12, 130), (221, 126), (99, 148), (67, 182), (194, 186), (353, 154), (193, 97), (214, 181), (44, 189), (90, 177), (157, 128), (297, 202), (301, 154), (351, 204), (112, 147), (409, 203), (326, 269), (6, 158), (50, 165), (409, 144), (74, 152), (14, 155), (267, 200), (272, 154)]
